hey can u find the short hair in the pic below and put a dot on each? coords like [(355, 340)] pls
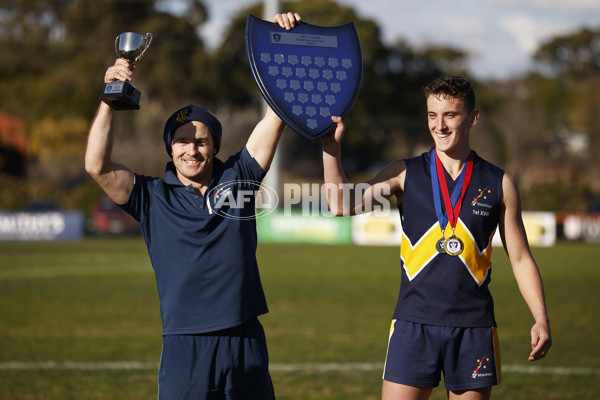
[(452, 86)]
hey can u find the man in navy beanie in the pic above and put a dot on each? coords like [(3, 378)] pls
[(192, 113), (202, 248)]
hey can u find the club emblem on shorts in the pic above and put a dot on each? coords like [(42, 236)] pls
[(481, 364)]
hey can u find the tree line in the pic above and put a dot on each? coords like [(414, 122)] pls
[(542, 127)]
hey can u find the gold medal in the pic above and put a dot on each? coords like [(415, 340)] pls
[(453, 245)]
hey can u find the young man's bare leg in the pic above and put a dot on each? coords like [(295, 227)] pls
[(477, 394), (395, 391)]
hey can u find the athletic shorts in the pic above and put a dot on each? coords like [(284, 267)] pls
[(418, 354), (231, 364)]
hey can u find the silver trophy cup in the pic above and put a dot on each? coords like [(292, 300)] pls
[(132, 46), (123, 95)]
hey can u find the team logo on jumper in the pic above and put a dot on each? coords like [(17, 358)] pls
[(480, 369), (482, 195), (242, 200), (222, 190)]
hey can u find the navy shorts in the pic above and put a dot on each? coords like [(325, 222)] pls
[(228, 364), (418, 354)]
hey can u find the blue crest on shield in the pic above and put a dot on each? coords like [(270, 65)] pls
[(307, 74)]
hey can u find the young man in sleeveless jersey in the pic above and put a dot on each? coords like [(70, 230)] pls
[(451, 201)]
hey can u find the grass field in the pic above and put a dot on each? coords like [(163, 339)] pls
[(79, 320)]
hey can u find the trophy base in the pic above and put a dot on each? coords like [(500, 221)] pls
[(121, 96)]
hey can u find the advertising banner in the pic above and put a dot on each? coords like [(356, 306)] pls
[(54, 225), (296, 228)]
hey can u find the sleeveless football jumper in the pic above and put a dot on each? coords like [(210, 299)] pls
[(440, 289)]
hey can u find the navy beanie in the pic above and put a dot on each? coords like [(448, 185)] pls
[(192, 113)]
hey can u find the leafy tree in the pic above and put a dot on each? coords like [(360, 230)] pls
[(59, 137), (56, 51), (573, 55), (574, 63), (542, 115)]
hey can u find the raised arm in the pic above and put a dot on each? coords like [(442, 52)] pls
[(347, 199), (263, 141), (525, 269), (115, 179)]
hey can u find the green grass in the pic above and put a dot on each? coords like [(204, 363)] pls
[(95, 302)]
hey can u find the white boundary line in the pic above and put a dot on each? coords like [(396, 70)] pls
[(76, 365), (72, 271), (274, 367)]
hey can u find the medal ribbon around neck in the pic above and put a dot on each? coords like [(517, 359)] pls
[(438, 180), (442, 217)]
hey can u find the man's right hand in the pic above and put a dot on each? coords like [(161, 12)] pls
[(120, 71)]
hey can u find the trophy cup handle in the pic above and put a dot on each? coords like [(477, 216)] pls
[(147, 41), (117, 45)]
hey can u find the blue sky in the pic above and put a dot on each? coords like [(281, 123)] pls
[(499, 35)]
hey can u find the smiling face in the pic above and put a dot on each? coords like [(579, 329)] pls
[(450, 122), (193, 152)]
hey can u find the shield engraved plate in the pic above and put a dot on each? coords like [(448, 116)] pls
[(307, 74)]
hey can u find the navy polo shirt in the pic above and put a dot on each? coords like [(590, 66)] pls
[(202, 249)]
